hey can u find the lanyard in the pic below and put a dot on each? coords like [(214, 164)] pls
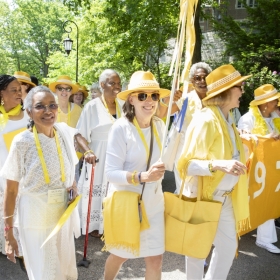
[(106, 106), (68, 114), (42, 160), (143, 137)]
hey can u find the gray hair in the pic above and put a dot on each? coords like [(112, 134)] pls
[(29, 98), (95, 86), (105, 75), (199, 65)]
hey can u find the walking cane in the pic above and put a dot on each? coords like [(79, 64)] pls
[(85, 262)]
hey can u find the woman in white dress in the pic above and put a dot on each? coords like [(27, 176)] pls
[(42, 159), (261, 120), (13, 119), (126, 163), (198, 73), (214, 152), (93, 127)]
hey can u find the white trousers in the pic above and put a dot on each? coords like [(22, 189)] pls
[(225, 243), (266, 232)]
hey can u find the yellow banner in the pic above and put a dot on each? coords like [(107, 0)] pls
[(264, 181)]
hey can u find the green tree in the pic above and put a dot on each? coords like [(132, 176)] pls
[(253, 43), (32, 31)]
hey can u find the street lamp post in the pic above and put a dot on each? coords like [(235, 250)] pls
[(68, 43)]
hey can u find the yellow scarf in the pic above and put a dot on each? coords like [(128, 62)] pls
[(210, 140), (121, 221), (260, 126), (4, 117)]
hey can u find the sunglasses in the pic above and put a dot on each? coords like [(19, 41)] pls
[(199, 78), (68, 89), (41, 107), (142, 96)]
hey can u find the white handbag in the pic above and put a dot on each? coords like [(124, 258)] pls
[(173, 138)]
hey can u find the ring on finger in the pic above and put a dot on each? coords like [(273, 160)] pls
[(235, 171)]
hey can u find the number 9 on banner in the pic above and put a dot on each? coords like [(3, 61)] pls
[(260, 179)]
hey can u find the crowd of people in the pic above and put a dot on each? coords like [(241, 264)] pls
[(51, 136)]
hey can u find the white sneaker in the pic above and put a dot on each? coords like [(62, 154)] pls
[(269, 247)]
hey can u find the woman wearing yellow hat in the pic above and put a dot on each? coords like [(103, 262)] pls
[(25, 82), (213, 151), (80, 96), (263, 120), (128, 150), (67, 112)]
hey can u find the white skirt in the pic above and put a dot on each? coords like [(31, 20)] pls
[(152, 240)]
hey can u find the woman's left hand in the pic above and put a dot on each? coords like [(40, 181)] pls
[(233, 167), (74, 191)]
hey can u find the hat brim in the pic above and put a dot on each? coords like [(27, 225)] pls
[(74, 87), (265, 100), (162, 92), (85, 93), (26, 82), (229, 85)]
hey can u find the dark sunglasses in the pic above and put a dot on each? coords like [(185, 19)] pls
[(142, 96), (68, 89), (199, 78), (41, 107)]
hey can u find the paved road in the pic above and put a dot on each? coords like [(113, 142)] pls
[(253, 263)]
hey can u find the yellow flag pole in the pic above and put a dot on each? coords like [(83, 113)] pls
[(185, 30)]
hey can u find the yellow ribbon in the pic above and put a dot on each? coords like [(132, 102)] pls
[(4, 117), (143, 137), (42, 160), (106, 106), (68, 114), (260, 126)]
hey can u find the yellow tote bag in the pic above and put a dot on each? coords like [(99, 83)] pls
[(190, 223)]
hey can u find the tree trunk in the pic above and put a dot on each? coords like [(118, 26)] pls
[(197, 49)]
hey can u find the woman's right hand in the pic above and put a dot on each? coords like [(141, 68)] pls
[(233, 167), (91, 158), (155, 172), (11, 246)]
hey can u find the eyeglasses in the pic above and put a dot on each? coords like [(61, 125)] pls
[(41, 107), (68, 89), (142, 96), (199, 78)]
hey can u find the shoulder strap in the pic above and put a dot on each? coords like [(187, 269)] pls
[(150, 155)]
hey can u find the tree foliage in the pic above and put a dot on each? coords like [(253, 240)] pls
[(31, 31), (254, 44)]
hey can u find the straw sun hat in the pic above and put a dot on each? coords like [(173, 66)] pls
[(82, 89), (264, 94), (24, 78), (65, 80), (142, 80), (221, 79)]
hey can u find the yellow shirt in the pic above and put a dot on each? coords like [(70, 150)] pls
[(75, 113)]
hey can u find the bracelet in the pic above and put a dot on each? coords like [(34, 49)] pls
[(133, 178), (87, 152), (7, 217), (7, 228), (139, 178), (210, 166)]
